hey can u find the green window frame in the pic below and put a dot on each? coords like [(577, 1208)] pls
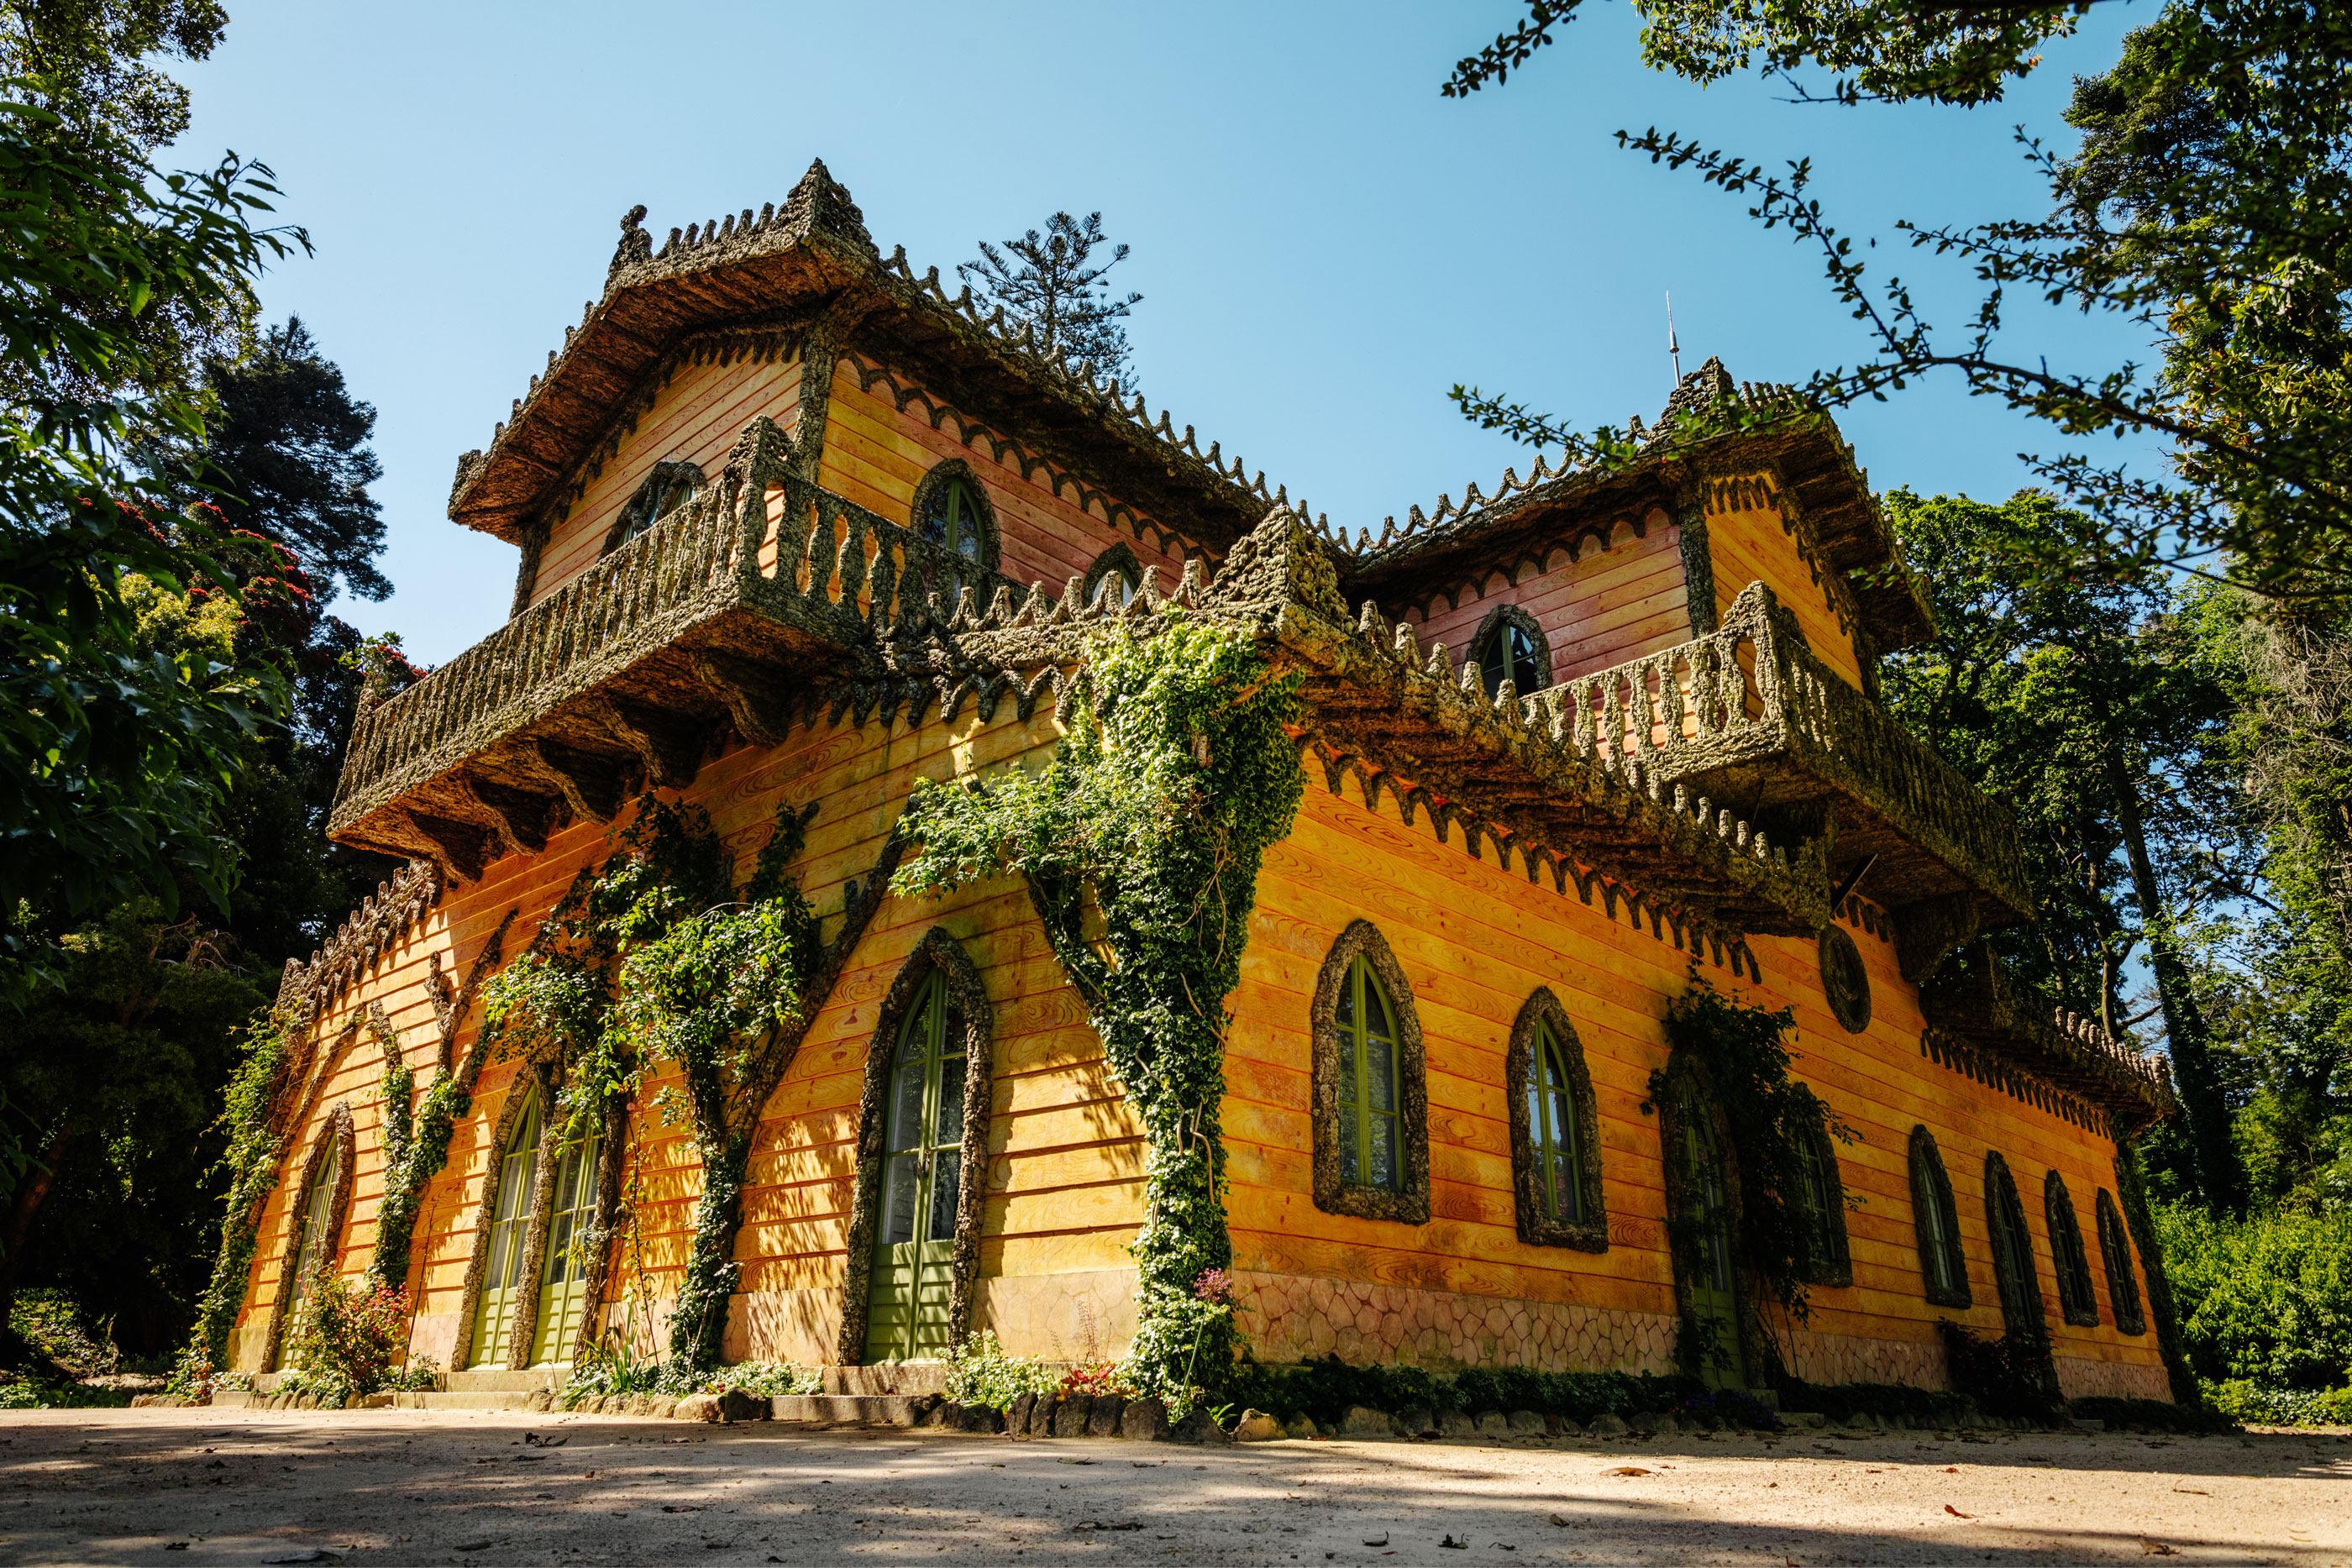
[(2077, 1299), (954, 517), (2012, 1251), (1943, 1266), (510, 1207), (1554, 1130), (566, 1263), (2116, 1251), (910, 1289), (1371, 1088), (1827, 1257)]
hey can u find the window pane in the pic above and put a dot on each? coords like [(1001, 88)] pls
[(945, 1168), (1376, 1008), (898, 1203), (1567, 1192), (1350, 1090), (1379, 1073), (907, 1106), (1351, 1163), (1383, 1169), (948, 1128)]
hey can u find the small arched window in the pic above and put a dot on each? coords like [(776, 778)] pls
[(1827, 1259), (1114, 579), (2115, 1252), (2012, 1252), (2076, 1297), (316, 1250), (1555, 1153), (1511, 646), (670, 487), (1943, 1267), (951, 512), (1372, 1111)]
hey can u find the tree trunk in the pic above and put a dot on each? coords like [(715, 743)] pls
[(40, 1176), (2218, 1170)]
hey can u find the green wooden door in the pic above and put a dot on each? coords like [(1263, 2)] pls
[(1714, 1301), (914, 1244), (509, 1224), (564, 1271), (316, 1246)]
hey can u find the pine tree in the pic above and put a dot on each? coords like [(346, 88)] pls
[(1045, 281)]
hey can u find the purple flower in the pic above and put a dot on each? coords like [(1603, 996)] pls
[(1214, 1285)]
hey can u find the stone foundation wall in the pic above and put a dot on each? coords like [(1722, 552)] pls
[(1850, 1358), (2080, 1377), (1290, 1318), (1084, 1315)]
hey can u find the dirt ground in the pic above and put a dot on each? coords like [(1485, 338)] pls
[(195, 1486)]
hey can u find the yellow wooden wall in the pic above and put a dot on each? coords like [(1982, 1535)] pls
[(875, 452), (1750, 540), (1477, 941), (1609, 604), (695, 418)]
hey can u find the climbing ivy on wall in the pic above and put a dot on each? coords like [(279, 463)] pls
[(255, 1142), (652, 958), (415, 1147), (1140, 842), (1771, 1116)]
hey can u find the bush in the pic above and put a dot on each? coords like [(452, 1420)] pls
[(981, 1373), (1841, 1401), (346, 1342), (1324, 1388), (2239, 1400), (2265, 1300), (2005, 1376), (768, 1379), (2157, 1413)]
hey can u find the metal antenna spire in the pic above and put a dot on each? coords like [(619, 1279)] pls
[(1674, 348)]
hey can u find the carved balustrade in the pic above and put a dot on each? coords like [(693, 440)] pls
[(1750, 714)]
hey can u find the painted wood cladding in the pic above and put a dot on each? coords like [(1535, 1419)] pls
[(1755, 541), (1606, 606), (695, 419), (876, 453)]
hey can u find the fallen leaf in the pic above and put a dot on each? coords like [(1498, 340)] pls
[(1559, 1519), (1956, 1513), (175, 1546), (2193, 1491), (1098, 1524), (681, 1508), (1383, 1541), (472, 1546), (1452, 1545), (1951, 1469), (2156, 1548), (313, 1555), (1626, 1470)]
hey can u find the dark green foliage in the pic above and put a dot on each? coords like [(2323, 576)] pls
[(1175, 776), (1772, 1119), (2005, 1375), (1326, 1387), (2155, 1415), (1048, 286), (2265, 1299), (119, 1071), (1841, 1401), (250, 1163)]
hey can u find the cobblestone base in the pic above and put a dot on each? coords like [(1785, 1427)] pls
[(1289, 1318), (2080, 1377)]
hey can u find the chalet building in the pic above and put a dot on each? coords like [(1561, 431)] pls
[(786, 514)]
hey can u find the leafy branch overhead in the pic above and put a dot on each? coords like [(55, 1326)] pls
[(2203, 209)]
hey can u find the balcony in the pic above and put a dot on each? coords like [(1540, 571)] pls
[(722, 615), (1975, 1001), (1749, 716)]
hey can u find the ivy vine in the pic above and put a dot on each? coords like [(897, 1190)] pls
[(415, 1147), (255, 1142), (655, 957), (1773, 1119), (1140, 842)]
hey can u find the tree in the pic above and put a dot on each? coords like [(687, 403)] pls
[(91, 59), (2086, 706), (1048, 285), (2205, 208)]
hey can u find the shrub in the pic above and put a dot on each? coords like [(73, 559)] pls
[(2005, 1376), (1841, 1401), (981, 1373), (2265, 1301), (2239, 1400), (2159, 1413), (346, 1342), (768, 1379), (1324, 1388)]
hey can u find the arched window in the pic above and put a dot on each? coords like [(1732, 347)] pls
[(1372, 1113), (2115, 1252), (1511, 645), (2012, 1252), (1942, 1266), (1114, 579), (314, 1247), (566, 1263), (669, 488), (494, 1310), (2076, 1297), (1555, 1154), (1827, 1259), (923, 1162)]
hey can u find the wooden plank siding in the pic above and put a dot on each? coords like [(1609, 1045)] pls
[(875, 452), (1610, 604), (695, 419), (1758, 544), (1477, 940)]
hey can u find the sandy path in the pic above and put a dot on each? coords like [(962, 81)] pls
[(105, 1487)]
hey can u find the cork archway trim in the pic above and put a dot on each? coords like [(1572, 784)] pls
[(339, 1138), (1592, 1233), (1408, 1202), (937, 953)]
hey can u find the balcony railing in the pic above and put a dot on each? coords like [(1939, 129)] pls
[(1974, 999), (799, 570), (1752, 700)]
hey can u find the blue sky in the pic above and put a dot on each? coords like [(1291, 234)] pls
[(1324, 244)]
